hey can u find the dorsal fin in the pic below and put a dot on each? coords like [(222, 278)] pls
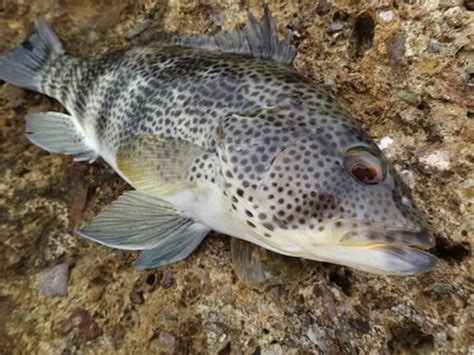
[(257, 38)]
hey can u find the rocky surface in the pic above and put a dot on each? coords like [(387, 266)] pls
[(405, 68), (53, 281)]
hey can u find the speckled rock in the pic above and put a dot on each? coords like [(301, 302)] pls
[(404, 68)]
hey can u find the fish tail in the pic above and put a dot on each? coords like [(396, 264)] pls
[(25, 65)]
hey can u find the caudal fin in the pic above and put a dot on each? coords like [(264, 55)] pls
[(24, 65)]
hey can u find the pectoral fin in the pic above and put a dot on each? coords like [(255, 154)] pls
[(136, 221), (158, 165)]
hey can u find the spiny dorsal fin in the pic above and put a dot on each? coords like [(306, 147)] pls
[(257, 38)]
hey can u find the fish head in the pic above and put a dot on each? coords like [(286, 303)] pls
[(325, 193)]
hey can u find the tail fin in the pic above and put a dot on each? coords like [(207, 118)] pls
[(23, 66)]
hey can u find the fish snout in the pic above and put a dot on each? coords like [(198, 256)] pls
[(422, 239), (385, 250)]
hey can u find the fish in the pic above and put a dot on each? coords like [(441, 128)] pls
[(220, 132)]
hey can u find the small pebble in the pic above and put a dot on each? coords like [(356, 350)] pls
[(334, 27), (329, 83), (167, 280), (442, 338), (52, 282), (93, 36), (438, 159), (323, 7), (433, 46), (168, 340), (386, 16), (444, 289), (163, 342), (82, 320), (408, 177), (385, 142), (136, 297)]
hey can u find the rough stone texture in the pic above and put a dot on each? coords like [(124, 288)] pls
[(52, 282), (403, 67)]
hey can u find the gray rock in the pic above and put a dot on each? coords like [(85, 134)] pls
[(136, 296), (163, 342), (322, 337), (167, 280), (323, 8), (433, 46), (52, 282), (335, 27)]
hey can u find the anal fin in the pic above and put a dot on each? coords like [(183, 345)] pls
[(57, 132), (137, 221)]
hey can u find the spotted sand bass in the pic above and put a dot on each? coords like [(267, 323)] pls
[(218, 132)]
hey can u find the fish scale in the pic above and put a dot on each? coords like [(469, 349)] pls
[(220, 132)]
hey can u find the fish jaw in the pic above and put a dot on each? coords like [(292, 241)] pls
[(380, 259), (386, 251), (419, 237), (379, 250)]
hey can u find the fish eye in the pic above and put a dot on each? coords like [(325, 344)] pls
[(364, 165)]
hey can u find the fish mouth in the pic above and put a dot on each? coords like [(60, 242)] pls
[(388, 251), (420, 238)]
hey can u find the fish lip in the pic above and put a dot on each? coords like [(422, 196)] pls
[(417, 261), (420, 238)]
